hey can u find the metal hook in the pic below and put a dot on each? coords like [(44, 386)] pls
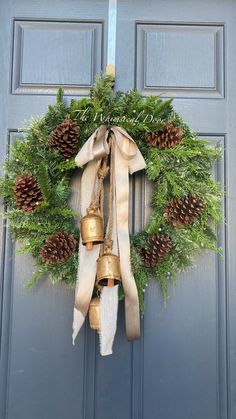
[(111, 44)]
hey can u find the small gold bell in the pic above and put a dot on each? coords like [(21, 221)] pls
[(108, 270), (92, 231), (94, 313)]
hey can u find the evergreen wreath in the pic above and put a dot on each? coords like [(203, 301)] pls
[(186, 200)]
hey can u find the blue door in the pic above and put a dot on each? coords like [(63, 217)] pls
[(184, 367)]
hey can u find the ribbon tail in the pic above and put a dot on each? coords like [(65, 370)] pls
[(78, 321), (132, 314), (87, 260), (108, 310)]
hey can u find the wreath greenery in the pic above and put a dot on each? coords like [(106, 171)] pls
[(180, 172)]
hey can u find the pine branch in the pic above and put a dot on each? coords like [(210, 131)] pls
[(44, 181), (60, 97), (102, 90)]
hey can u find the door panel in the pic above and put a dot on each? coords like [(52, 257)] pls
[(43, 47), (171, 52), (51, 53), (179, 49), (184, 366)]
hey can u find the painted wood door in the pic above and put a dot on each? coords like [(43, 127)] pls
[(185, 364)]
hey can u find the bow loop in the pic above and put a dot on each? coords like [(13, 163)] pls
[(95, 148), (125, 143)]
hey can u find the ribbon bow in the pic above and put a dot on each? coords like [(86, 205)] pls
[(127, 159)]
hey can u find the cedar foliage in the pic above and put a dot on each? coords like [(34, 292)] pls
[(176, 172)]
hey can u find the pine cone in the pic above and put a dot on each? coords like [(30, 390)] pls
[(64, 138), (168, 137), (183, 211), (159, 248), (27, 193), (58, 248)]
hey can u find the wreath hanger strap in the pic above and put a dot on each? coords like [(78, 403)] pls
[(127, 159)]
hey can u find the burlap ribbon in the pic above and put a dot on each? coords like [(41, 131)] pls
[(127, 160)]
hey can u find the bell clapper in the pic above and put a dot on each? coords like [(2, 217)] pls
[(89, 245), (110, 282)]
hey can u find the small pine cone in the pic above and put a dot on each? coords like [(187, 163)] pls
[(64, 138), (183, 211), (159, 247), (58, 248), (27, 193), (168, 137)]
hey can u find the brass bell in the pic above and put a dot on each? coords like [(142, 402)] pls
[(92, 230), (108, 270), (94, 313)]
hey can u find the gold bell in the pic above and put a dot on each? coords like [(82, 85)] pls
[(92, 231), (108, 270), (94, 313)]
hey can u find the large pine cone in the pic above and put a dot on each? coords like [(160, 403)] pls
[(168, 137), (64, 138), (159, 247), (27, 193), (58, 248), (183, 211)]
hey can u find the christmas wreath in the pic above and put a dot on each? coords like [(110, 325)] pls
[(186, 200)]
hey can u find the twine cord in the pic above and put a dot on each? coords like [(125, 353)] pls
[(108, 238), (98, 202)]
